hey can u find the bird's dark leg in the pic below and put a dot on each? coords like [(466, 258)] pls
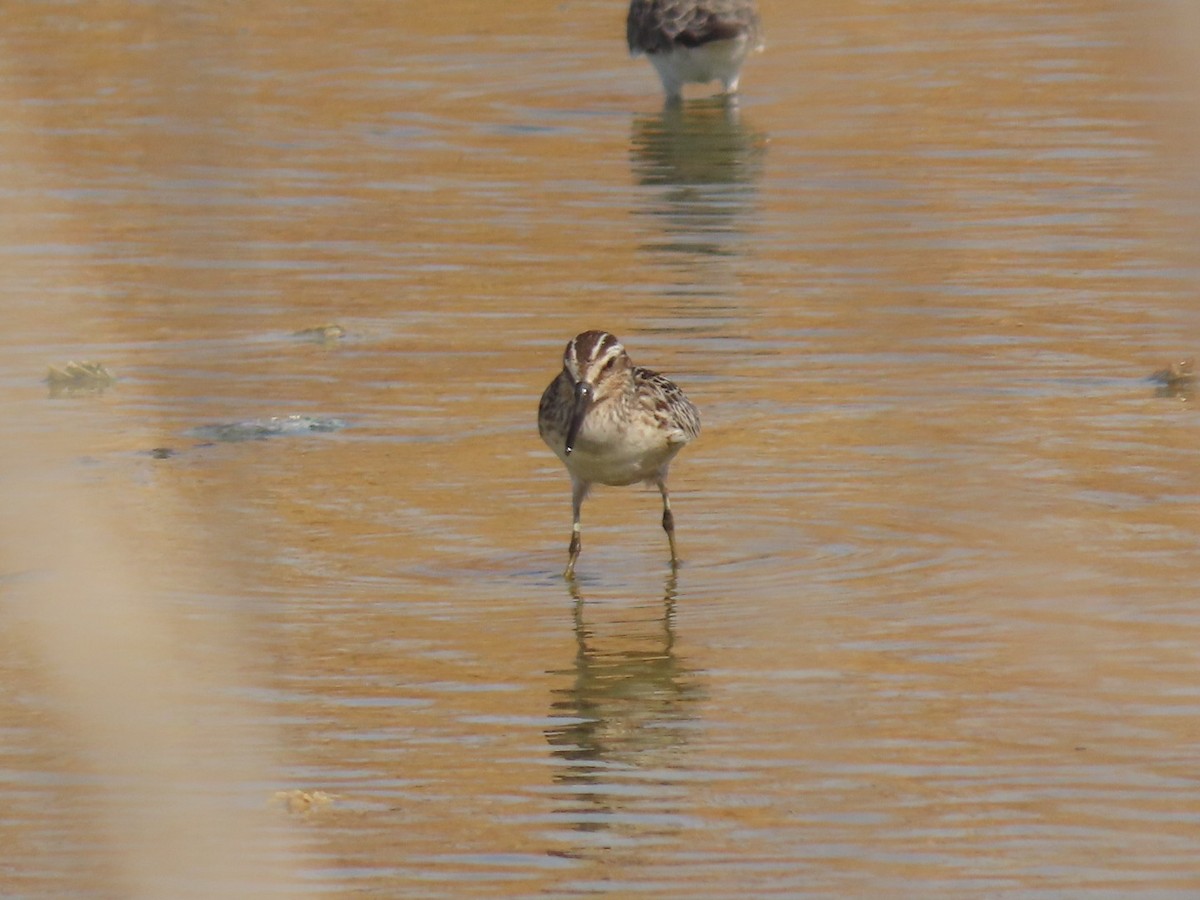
[(579, 490), (668, 520)]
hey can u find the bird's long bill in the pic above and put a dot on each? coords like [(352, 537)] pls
[(583, 402)]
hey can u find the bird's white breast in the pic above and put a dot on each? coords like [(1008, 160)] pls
[(714, 61), (612, 452)]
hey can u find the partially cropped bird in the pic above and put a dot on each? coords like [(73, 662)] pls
[(694, 41)]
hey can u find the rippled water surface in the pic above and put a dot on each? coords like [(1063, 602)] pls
[(937, 630)]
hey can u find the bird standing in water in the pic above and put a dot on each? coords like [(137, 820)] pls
[(612, 422)]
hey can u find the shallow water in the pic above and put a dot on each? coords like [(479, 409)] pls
[(936, 632)]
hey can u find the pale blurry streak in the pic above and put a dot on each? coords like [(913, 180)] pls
[(167, 771), (1167, 44), (1171, 31), (155, 781)]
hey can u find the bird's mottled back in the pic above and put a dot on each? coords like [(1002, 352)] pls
[(656, 26), (671, 408)]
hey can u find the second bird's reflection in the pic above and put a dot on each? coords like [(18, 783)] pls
[(708, 162)]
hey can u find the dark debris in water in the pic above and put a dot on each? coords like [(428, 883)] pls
[(261, 429), (1177, 380)]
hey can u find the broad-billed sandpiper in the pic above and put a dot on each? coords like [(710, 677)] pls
[(694, 41), (612, 422)]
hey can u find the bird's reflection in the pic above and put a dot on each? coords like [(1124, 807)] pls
[(628, 712), (707, 162)]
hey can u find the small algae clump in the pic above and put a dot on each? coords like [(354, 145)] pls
[(79, 378), (322, 334), (300, 802)]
